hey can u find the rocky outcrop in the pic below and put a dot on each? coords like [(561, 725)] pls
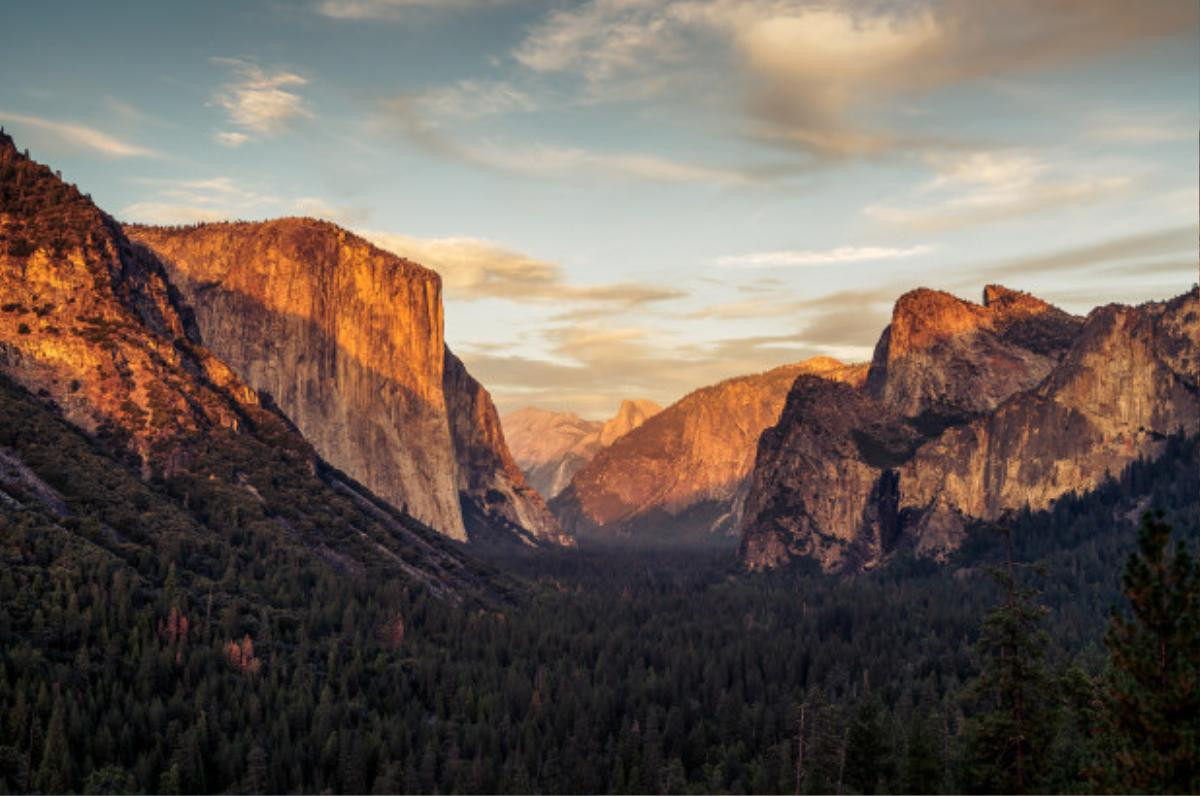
[(487, 474), (683, 473), (552, 446), (968, 411), (946, 357), (348, 341), (822, 485)]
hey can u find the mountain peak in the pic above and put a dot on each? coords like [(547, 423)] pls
[(1002, 300), (923, 316), (630, 415)]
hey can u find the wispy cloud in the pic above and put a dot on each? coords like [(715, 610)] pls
[(82, 137), (231, 139), (476, 269), (1123, 128), (985, 187), (589, 369), (1180, 241), (404, 115), (258, 100), (473, 98), (391, 9), (810, 257), (186, 201)]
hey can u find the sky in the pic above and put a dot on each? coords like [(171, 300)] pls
[(634, 199)]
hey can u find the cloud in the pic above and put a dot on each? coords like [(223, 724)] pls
[(476, 269), (808, 257), (1140, 128), (589, 369), (187, 201), (82, 137), (985, 187), (1120, 250), (230, 139), (391, 9), (812, 72), (588, 366), (473, 98), (317, 207), (548, 161), (258, 100)]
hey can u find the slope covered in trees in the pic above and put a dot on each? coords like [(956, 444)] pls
[(156, 636)]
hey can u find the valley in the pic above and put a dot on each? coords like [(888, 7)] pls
[(263, 531)]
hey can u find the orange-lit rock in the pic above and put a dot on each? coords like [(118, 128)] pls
[(684, 471)]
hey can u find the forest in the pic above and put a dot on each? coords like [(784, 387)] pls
[(156, 637)]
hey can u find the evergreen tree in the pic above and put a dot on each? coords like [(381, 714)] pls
[(1013, 722), (54, 773), (869, 761), (1154, 690)]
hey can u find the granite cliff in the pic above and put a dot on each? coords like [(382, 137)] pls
[(552, 446), (94, 338), (969, 410), (683, 473), (348, 341), (488, 478)]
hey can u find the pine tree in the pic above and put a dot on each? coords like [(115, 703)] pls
[(54, 773), (1154, 690), (1013, 723), (869, 760)]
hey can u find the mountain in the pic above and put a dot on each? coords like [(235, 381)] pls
[(348, 341), (552, 446), (968, 411), (133, 440), (683, 472)]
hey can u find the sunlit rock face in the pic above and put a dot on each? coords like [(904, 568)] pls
[(968, 411), (942, 354), (683, 473), (89, 322), (487, 474), (348, 341), (552, 446)]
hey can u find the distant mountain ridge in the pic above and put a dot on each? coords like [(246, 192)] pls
[(968, 411), (682, 474), (552, 446)]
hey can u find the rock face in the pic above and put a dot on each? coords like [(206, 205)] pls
[(968, 411), (90, 321), (348, 341), (1131, 377), (552, 446), (942, 355), (683, 472), (487, 475)]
